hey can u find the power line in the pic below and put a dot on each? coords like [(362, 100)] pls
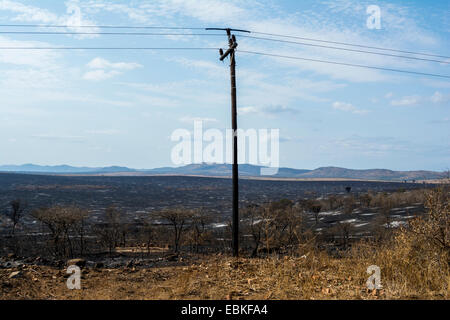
[(345, 64), (351, 44), (215, 34), (109, 33), (345, 49), (199, 28), (106, 48), (92, 26), (243, 51)]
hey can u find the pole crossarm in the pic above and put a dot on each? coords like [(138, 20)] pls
[(228, 29)]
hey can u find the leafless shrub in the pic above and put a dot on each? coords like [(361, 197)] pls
[(434, 228), (198, 233), (18, 207), (148, 234), (274, 226), (365, 199), (66, 226), (178, 218), (349, 204), (113, 231), (332, 202)]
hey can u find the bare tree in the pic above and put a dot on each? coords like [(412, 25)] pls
[(111, 233), (332, 200), (178, 218), (386, 208), (148, 234), (199, 233), (365, 199), (345, 232), (434, 228), (253, 218), (276, 226), (62, 223), (349, 204), (316, 211), (16, 213)]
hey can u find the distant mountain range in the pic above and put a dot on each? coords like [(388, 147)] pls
[(62, 169), (224, 170)]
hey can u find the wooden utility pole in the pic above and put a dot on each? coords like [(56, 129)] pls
[(232, 45)]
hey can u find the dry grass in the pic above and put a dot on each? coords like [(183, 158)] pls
[(316, 276), (414, 265)]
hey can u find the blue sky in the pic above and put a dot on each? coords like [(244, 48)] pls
[(99, 108)]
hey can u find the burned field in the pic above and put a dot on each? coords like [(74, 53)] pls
[(141, 195), (138, 197), (298, 239)]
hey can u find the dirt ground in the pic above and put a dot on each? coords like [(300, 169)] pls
[(219, 278)]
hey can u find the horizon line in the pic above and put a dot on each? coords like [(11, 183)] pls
[(255, 165)]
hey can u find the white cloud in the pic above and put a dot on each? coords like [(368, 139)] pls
[(247, 110), (55, 137), (406, 101), (105, 69), (190, 120), (73, 18), (413, 100), (146, 11), (34, 58), (28, 13), (369, 146), (100, 63), (99, 75), (270, 110), (206, 10), (437, 97), (267, 17), (348, 107), (277, 109), (212, 68)]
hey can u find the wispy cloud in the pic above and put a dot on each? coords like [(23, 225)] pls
[(146, 11), (247, 110), (438, 97), (99, 75), (100, 63), (191, 120), (55, 137), (105, 69), (73, 18), (271, 110), (348, 107), (28, 13), (435, 98), (406, 101)]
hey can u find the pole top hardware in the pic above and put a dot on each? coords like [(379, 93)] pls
[(231, 49), (231, 39)]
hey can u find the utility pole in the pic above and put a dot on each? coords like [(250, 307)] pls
[(232, 45)]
